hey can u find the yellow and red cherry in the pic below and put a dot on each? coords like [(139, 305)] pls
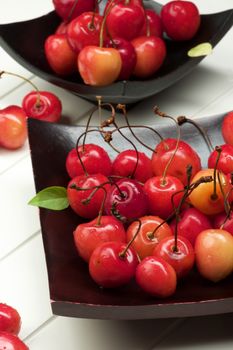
[(99, 66), (128, 56), (89, 158), (59, 54), (87, 236), (43, 105), (70, 9), (183, 156), (13, 127), (126, 200), (178, 253), (227, 127), (150, 55), (181, 19), (191, 222), (84, 31), (163, 195), (156, 277), (125, 20), (133, 164), (10, 319), (214, 254), (153, 24), (113, 264), (86, 195), (146, 233), (209, 197), (225, 161)]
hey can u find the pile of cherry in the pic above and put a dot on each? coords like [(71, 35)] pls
[(149, 218), (10, 325), (126, 40)]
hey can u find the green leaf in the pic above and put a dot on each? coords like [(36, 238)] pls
[(54, 198), (202, 49)]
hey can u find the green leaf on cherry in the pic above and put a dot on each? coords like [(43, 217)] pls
[(202, 49), (54, 198)]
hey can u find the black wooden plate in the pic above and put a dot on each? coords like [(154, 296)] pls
[(72, 291), (24, 41)]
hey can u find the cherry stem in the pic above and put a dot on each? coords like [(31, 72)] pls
[(72, 10), (27, 81), (101, 37), (83, 148), (112, 121), (227, 205), (123, 109), (147, 25), (123, 253), (98, 221), (182, 119), (163, 115), (214, 195)]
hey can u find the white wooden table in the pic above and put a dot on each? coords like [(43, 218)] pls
[(206, 91)]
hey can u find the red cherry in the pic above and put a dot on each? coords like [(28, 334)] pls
[(181, 19), (225, 162), (13, 127), (125, 162), (93, 157), (191, 222), (84, 31), (10, 341), (181, 259), (227, 127), (88, 236), (147, 234), (161, 195), (220, 221), (125, 21), (10, 320), (111, 265), (128, 56), (43, 105), (62, 28), (69, 9), (126, 200), (99, 66), (153, 24), (79, 190), (112, 3), (185, 155), (151, 53), (59, 54), (156, 277)]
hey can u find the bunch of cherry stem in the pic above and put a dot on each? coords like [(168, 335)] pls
[(108, 137)]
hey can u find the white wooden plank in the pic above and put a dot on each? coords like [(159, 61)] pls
[(9, 158), (7, 82), (24, 284), (18, 220), (72, 334)]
